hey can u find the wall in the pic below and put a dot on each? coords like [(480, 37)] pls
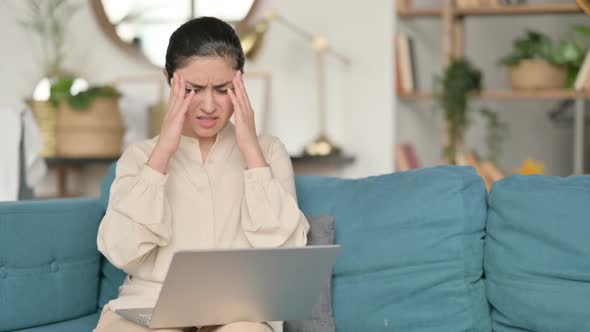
[(359, 99)]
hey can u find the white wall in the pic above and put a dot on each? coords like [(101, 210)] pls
[(359, 99), (532, 134)]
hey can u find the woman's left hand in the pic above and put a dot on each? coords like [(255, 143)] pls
[(245, 124)]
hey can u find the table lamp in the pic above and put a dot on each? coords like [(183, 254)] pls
[(252, 41)]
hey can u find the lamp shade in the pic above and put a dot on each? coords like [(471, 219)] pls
[(252, 38)]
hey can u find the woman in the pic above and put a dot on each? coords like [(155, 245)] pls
[(203, 182)]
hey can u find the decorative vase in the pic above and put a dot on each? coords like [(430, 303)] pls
[(46, 117), (95, 132), (537, 74)]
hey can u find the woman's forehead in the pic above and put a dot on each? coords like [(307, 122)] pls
[(208, 70)]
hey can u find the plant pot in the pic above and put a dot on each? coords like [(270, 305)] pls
[(46, 117), (95, 132), (537, 75)]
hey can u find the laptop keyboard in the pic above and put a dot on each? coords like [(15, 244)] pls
[(145, 317)]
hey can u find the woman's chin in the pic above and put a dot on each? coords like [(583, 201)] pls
[(207, 132)]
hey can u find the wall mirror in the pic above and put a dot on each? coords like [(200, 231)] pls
[(142, 27)]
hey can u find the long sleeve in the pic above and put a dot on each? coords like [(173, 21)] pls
[(270, 215), (138, 216)]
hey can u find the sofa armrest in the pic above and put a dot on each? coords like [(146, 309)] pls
[(49, 263)]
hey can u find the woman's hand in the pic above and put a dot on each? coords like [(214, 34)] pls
[(172, 125), (245, 124)]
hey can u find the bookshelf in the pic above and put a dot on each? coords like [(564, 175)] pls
[(531, 9), (507, 95), (453, 40)]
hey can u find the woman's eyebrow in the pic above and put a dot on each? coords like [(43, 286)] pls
[(222, 85), (217, 86), (195, 85)]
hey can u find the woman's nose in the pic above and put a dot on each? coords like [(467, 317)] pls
[(208, 104)]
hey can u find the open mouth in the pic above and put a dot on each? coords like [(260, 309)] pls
[(207, 121)]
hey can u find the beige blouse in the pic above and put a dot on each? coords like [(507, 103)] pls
[(195, 205)]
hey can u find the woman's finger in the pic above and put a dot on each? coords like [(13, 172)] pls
[(238, 93), (171, 94), (244, 92), (237, 107), (179, 87), (184, 106)]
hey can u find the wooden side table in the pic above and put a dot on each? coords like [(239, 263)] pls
[(64, 164)]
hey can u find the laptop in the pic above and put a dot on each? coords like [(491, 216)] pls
[(221, 286)]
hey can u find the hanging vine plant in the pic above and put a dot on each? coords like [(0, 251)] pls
[(460, 82)]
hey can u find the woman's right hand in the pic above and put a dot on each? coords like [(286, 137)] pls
[(172, 125)]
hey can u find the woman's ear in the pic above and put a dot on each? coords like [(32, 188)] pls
[(166, 75)]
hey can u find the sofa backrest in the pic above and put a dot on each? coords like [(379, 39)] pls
[(49, 263), (537, 256), (412, 249)]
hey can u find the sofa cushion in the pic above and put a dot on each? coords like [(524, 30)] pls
[(49, 263), (412, 249), (82, 324), (111, 278), (537, 256), (321, 232)]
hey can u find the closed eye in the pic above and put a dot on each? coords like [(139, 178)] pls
[(222, 91), (189, 90)]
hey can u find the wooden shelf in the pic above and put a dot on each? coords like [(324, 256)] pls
[(524, 95), (420, 13), (336, 159), (507, 95), (531, 9), (78, 161), (523, 10), (55, 162), (414, 96)]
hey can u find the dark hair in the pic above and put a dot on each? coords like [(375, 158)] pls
[(203, 37)]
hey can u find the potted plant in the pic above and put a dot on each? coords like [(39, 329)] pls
[(48, 20), (459, 83), (537, 62), (89, 123), (73, 123)]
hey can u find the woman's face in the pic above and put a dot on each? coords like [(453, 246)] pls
[(211, 107)]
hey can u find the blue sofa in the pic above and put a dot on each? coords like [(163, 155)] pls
[(422, 251)]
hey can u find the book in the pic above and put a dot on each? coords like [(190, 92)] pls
[(404, 63), (406, 157), (401, 162), (413, 70), (397, 74)]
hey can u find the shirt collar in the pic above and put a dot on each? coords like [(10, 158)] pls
[(224, 142)]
